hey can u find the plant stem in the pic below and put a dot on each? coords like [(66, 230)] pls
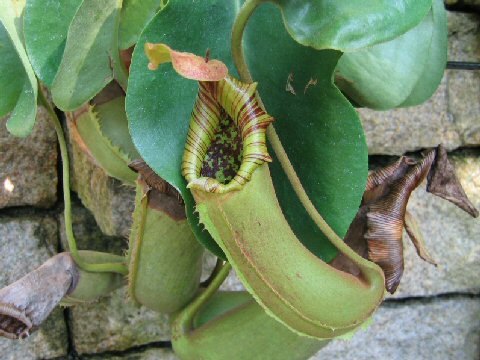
[(239, 59), (72, 244), (186, 318), (216, 269)]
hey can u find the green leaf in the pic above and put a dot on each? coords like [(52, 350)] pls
[(349, 25), (134, 16), (319, 129), (109, 155), (114, 125), (383, 76), (46, 25), (12, 73), (21, 96), (437, 59), (159, 103), (90, 54)]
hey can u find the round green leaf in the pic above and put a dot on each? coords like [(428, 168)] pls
[(90, 54), (24, 111), (383, 76), (12, 73), (114, 125), (319, 129), (348, 25), (108, 154), (437, 59), (134, 16), (46, 25), (159, 103)]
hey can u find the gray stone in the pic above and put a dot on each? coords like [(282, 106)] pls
[(473, 4), (28, 166), (88, 235), (25, 243), (150, 354), (463, 37), (428, 330), (451, 236), (464, 86), (397, 131), (110, 201), (115, 323), (464, 104)]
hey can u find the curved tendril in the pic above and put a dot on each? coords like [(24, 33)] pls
[(72, 244), (239, 59)]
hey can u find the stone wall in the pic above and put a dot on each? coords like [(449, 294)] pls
[(435, 314)]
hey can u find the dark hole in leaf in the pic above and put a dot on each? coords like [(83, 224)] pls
[(224, 155), (12, 327)]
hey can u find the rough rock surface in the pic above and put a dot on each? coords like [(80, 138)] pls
[(464, 86), (397, 131), (88, 235), (150, 354), (115, 323), (25, 243), (473, 4), (108, 199), (28, 166), (440, 329)]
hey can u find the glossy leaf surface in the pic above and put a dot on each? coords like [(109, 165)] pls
[(46, 25), (90, 54), (159, 105), (384, 75), (12, 74), (134, 16), (244, 330), (319, 130), (21, 94), (437, 59), (348, 25), (107, 154), (114, 125)]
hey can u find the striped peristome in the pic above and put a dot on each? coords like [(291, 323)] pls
[(239, 101)]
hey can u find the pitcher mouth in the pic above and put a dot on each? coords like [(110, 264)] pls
[(14, 323), (220, 161)]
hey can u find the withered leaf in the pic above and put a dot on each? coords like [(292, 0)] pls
[(153, 180), (379, 223), (415, 234), (161, 195), (443, 182)]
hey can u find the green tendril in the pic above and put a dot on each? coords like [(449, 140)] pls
[(72, 244)]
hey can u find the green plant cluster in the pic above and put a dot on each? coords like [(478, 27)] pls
[(283, 221)]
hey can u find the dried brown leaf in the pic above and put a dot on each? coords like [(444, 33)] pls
[(443, 182), (415, 234), (385, 220)]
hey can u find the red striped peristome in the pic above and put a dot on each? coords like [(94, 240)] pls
[(239, 101)]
